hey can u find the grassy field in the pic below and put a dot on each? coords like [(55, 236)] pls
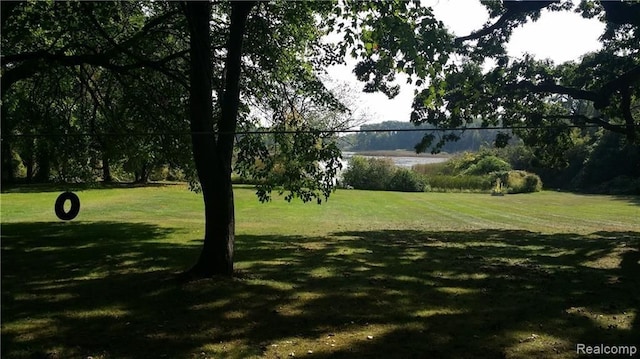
[(366, 275)]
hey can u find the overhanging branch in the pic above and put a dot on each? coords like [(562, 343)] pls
[(620, 83), (625, 108), (601, 98), (141, 61), (582, 119), (513, 9), (485, 31), (33, 62), (547, 87), (23, 65)]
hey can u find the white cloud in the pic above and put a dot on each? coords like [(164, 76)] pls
[(460, 16), (560, 36)]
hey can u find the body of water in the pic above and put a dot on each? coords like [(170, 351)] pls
[(400, 161)]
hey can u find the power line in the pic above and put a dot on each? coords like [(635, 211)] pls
[(314, 131)]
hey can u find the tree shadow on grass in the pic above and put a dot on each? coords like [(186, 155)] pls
[(487, 293), (101, 289), (510, 293), (633, 199), (69, 289)]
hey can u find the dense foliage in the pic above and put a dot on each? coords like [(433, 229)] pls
[(477, 172), (368, 173), (597, 161), (380, 174), (89, 91)]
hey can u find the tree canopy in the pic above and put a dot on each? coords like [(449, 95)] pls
[(542, 98)]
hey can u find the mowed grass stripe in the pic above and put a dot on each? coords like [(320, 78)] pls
[(534, 212), (582, 213), (544, 212), (510, 214), (462, 214)]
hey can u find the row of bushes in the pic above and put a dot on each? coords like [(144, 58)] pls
[(464, 173), (380, 174)]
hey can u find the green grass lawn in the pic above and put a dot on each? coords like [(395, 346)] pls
[(365, 275)]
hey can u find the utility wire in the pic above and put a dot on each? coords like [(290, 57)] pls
[(267, 132)]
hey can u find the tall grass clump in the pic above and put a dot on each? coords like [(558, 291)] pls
[(464, 172), (429, 169), (520, 181), (461, 183)]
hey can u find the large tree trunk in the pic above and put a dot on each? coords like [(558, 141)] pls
[(43, 159), (106, 169), (144, 173), (212, 154), (29, 163), (7, 170)]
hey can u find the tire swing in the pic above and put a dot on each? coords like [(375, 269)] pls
[(75, 206)]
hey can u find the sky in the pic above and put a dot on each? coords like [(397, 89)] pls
[(560, 36)]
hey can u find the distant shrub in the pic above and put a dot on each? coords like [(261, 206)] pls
[(369, 173), (458, 164), (518, 156), (520, 182), (475, 163), (405, 180), (237, 179), (380, 174), (381, 171), (487, 165), (532, 183), (480, 175), (166, 173)]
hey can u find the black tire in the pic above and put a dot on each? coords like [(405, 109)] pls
[(75, 206)]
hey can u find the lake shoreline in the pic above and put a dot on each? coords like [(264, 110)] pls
[(398, 153), (400, 158)]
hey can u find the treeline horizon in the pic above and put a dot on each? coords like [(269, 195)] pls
[(469, 140)]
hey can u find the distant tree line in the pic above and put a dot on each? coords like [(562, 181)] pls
[(469, 140)]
